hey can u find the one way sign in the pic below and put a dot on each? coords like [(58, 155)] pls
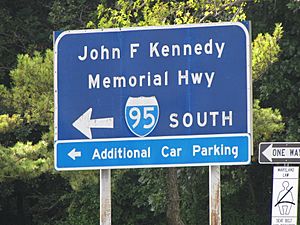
[(279, 152)]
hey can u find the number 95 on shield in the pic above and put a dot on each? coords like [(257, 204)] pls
[(141, 115)]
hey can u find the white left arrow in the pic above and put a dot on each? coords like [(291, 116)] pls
[(268, 153), (84, 123), (73, 154), (284, 152)]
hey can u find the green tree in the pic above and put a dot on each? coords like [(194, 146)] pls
[(72, 14), (26, 144), (27, 25), (24, 28), (279, 86), (32, 106)]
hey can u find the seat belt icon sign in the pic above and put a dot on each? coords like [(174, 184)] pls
[(285, 199)]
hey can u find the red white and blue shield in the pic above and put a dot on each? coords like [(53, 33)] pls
[(141, 114)]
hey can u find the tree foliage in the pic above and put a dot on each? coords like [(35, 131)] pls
[(72, 14), (126, 13), (32, 91), (278, 87), (266, 122), (31, 99), (24, 28), (265, 50), (26, 140)]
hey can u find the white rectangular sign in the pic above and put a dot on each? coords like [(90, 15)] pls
[(279, 152), (285, 195)]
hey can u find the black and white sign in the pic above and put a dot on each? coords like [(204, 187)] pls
[(285, 195), (279, 152)]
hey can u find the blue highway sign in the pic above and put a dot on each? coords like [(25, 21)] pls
[(151, 87)]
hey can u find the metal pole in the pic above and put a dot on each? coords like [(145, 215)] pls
[(105, 197), (214, 195)]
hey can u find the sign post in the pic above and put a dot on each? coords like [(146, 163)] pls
[(105, 197), (214, 195)]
